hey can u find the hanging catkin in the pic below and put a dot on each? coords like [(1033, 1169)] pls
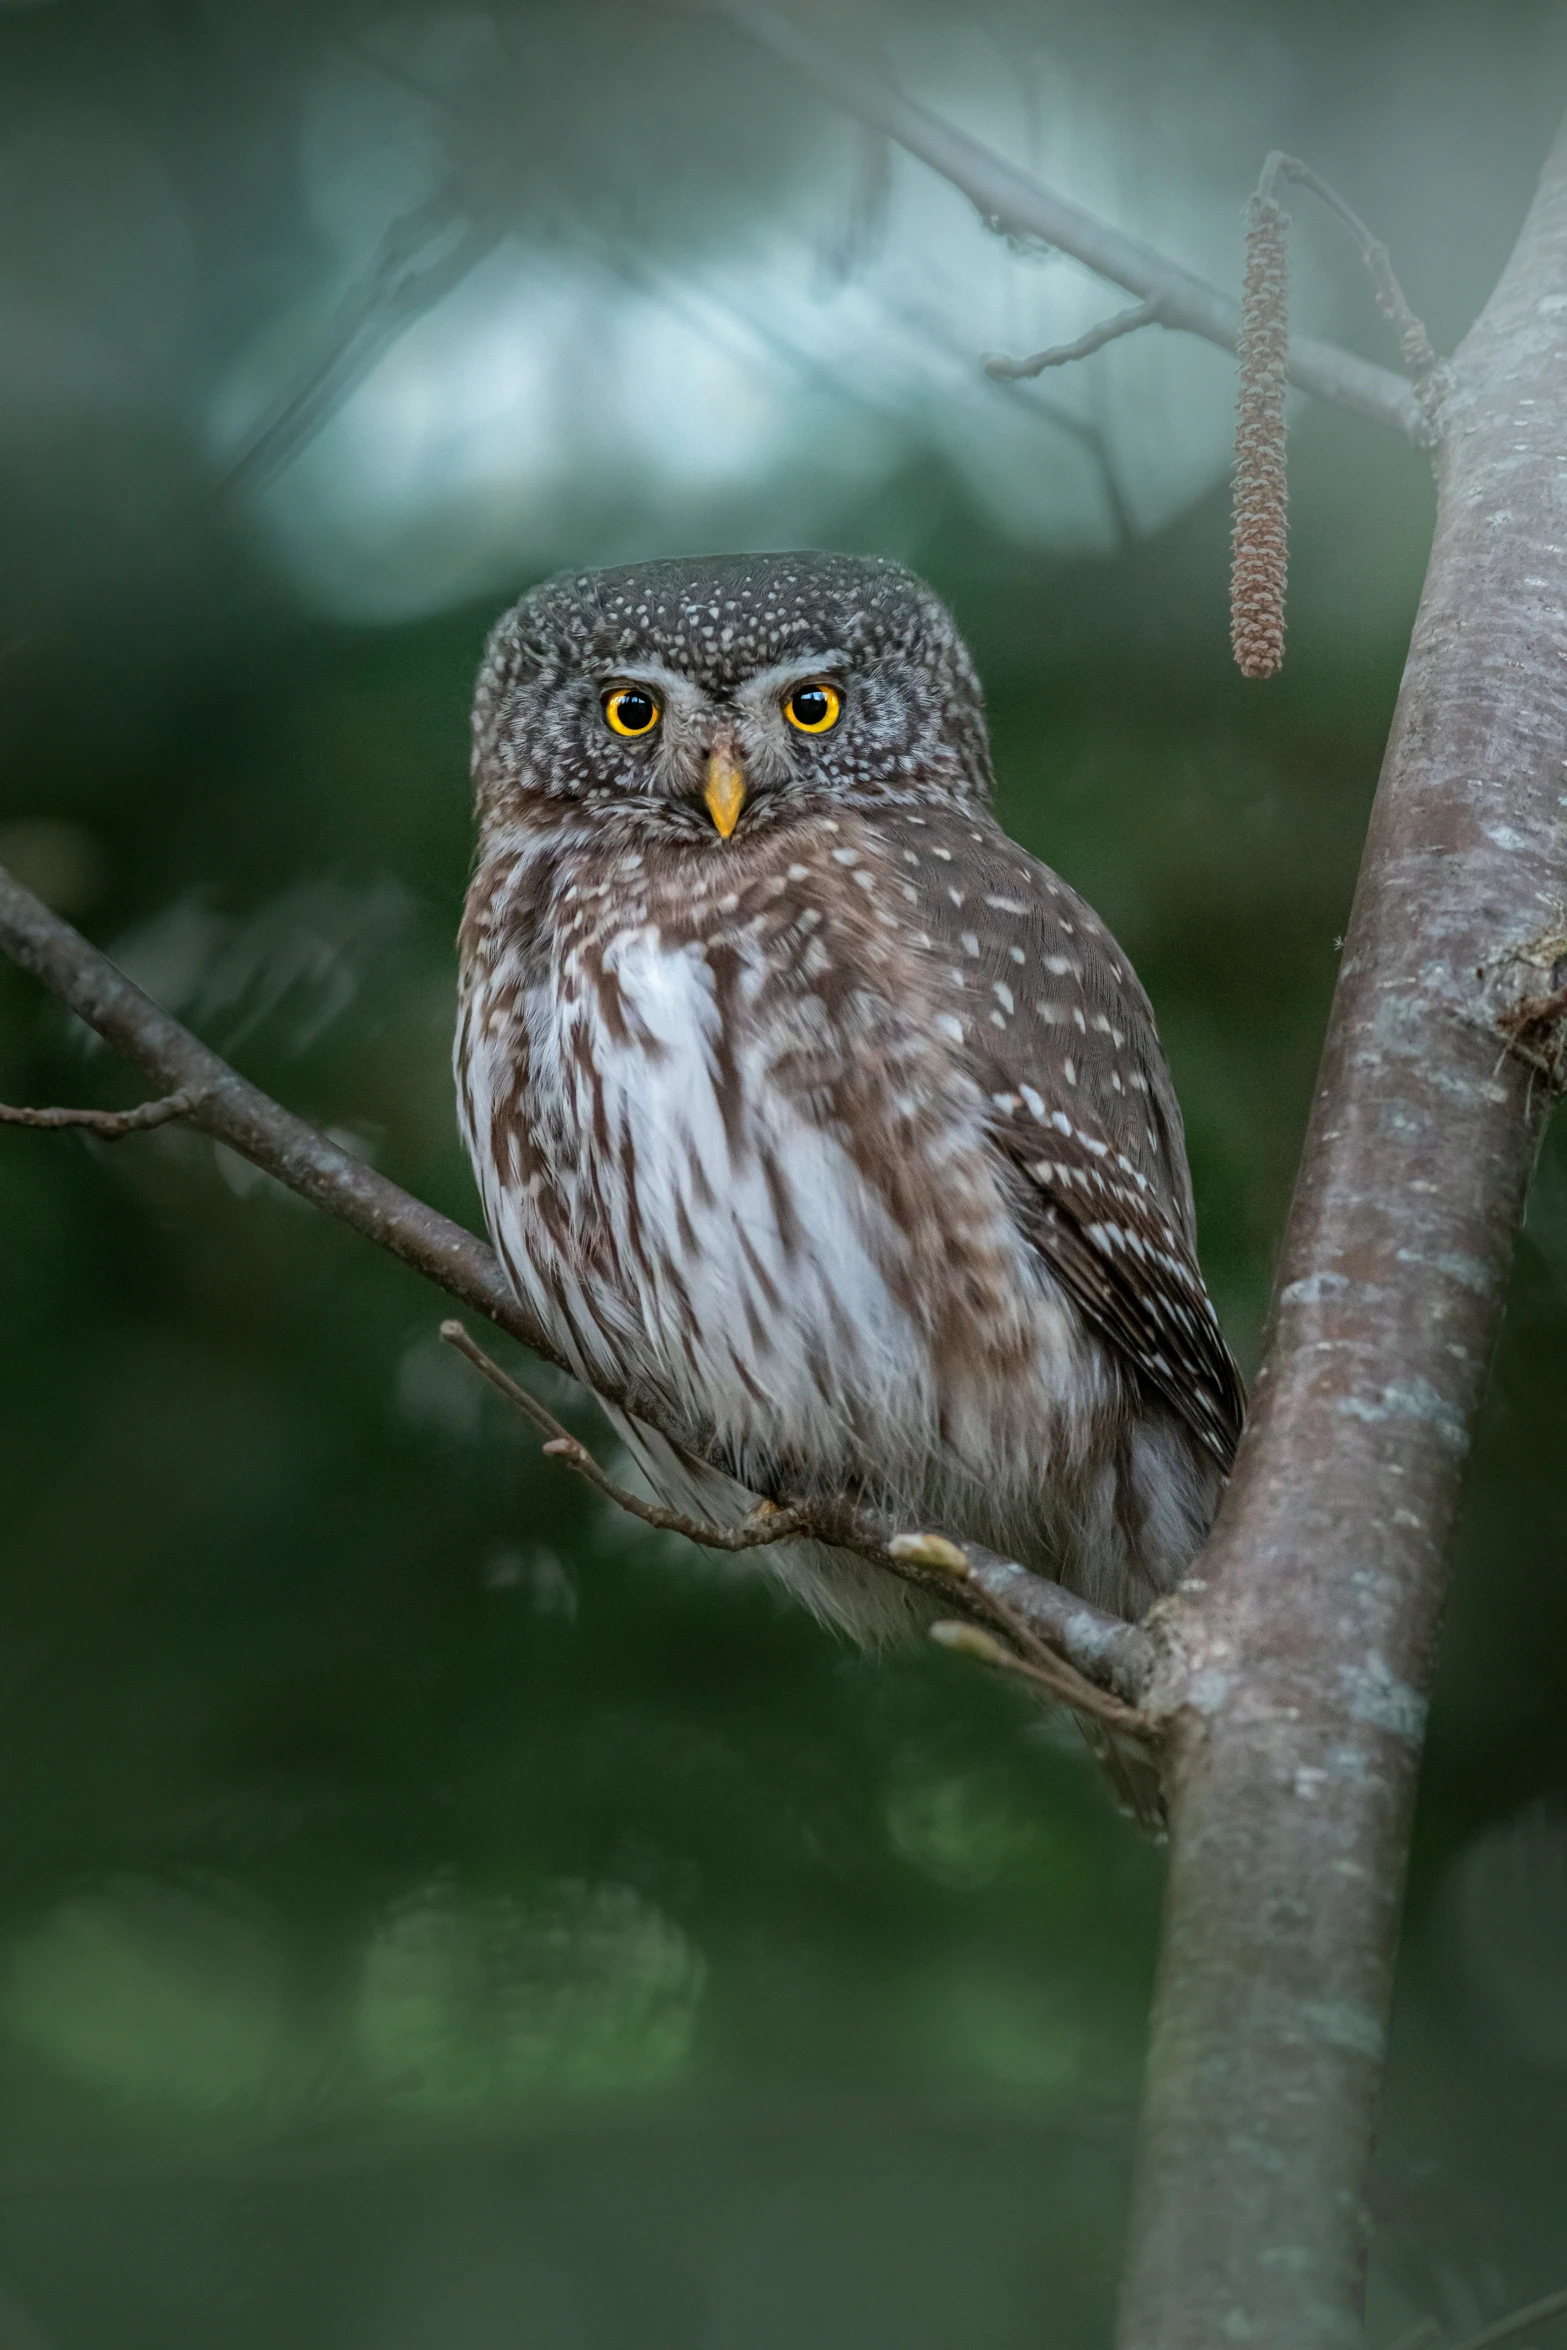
[(1259, 554)]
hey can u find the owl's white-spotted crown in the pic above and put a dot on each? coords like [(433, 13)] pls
[(712, 627)]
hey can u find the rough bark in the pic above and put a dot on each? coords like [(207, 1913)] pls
[(1296, 1670)]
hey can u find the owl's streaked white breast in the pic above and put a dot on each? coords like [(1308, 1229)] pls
[(689, 1218)]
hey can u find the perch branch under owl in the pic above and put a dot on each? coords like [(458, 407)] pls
[(929, 1561), (1093, 1661)]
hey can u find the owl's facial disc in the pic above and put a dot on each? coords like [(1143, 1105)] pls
[(723, 793)]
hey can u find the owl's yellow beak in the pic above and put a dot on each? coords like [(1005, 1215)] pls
[(724, 792)]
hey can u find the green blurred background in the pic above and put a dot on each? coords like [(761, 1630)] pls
[(434, 1913)]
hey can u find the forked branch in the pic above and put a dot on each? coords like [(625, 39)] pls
[(930, 1562), (1100, 1661), (1013, 201)]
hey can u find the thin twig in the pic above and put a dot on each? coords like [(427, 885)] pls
[(765, 1526), (1057, 1680), (1105, 1649), (1014, 201), (1109, 330), (929, 1560), (108, 1125), (1553, 2305), (1413, 341)]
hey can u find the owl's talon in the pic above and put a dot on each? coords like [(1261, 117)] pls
[(933, 1551)]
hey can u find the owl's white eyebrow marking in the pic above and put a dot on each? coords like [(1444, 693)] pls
[(772, 684), (676, 687)]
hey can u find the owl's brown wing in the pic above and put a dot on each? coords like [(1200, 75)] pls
[(1061, 1037)]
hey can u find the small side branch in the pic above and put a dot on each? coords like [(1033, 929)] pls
[(930, 1561), (1109, 330), (1053, 1627), (109, 1125), (1054, 1679), (1413, 341), (765, 1526)]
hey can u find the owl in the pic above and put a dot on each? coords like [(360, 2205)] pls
[(806, 1102)]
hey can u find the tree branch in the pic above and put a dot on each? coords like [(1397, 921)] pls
[(929, 1561), (1055, 1631), (1013, 200), (1294, 1686)]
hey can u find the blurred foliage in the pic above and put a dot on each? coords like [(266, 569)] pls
[(432, 1910)]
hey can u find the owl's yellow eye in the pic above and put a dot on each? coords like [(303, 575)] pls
[(814, 708), (631, 710)]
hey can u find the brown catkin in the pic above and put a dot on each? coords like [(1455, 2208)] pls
[(1259, 547)]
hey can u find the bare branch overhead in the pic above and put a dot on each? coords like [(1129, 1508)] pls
[(1013, 200)]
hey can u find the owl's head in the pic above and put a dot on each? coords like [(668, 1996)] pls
[(714, 695)]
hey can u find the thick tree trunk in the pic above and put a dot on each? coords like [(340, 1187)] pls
[(1296, 1673)]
